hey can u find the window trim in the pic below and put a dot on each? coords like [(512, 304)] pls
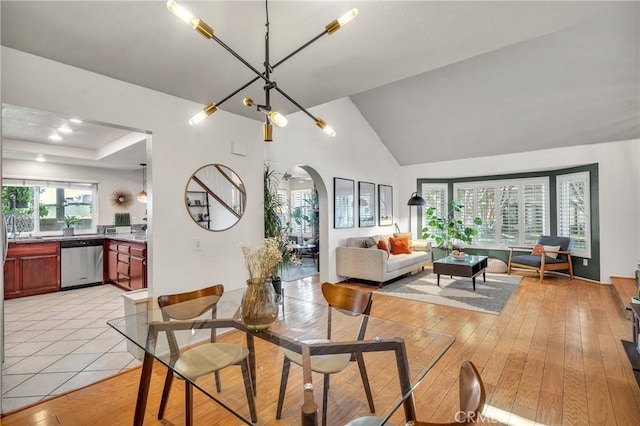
[(58, 183)]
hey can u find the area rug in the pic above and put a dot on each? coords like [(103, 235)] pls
[(296, 272), (489, 297)]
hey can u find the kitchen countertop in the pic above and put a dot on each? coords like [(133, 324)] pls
[(140, 237)]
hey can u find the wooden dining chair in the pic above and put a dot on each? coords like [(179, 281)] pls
[(202, 359), (472, 398), (348, 301)]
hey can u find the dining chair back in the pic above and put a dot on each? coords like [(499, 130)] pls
[(205, 358), (349, 301), (472, 398)]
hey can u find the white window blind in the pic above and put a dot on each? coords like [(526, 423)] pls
[(435, 195), (573, 203), (513, 212), (535, 216), (300, 199)]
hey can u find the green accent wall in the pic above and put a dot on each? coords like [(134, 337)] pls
[(592, 270)]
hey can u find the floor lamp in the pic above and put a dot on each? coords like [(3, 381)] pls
[(415, 200)]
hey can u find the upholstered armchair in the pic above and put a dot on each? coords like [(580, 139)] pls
[(549, 254)]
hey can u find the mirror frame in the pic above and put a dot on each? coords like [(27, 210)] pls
[(195, 204)]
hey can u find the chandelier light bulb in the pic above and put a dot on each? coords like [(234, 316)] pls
[(207, 111), (348, 17), (328, 130), (190, 19), (336, 24), (277, 118), (325, 127)]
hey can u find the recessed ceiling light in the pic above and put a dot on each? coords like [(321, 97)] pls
[(55, 137), (65, 129), (75, 120), (41, 158)]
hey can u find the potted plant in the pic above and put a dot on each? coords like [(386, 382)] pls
[(449, 231), (273, 227), (69, 221)]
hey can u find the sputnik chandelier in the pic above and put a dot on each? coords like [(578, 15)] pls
[(271, 115)]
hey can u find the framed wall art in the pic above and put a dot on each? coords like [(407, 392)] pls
[(343, 203), (385, 205), (366, 204)]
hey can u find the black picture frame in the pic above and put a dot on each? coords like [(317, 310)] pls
[(343, 203), (366, 204), (385, 205)]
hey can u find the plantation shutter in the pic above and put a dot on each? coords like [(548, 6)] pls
[(435, 195), (534, 198), (573, 215), (509, 216), (485, 203)]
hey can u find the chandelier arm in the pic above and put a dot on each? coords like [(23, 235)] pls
[(241, 59), (300, 48), (253, 80), (303, 109)]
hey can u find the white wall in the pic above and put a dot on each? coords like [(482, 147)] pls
[(355, 153), (177, 151), (619, 190), (108, 181)]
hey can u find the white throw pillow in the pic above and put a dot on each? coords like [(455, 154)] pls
[(551, 248)]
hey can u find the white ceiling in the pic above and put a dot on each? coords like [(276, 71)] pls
[(436, 80), (26, 136)]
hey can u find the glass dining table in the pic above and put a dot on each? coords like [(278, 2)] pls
[(397, 358)]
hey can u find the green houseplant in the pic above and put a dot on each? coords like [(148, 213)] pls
[(69, 221), (449, 231), (273, 226)]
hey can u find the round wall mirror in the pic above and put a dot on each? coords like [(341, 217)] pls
[(215, 197)]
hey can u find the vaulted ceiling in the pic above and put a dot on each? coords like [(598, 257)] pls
[(435, 80)]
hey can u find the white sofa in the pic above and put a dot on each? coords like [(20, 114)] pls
[(354, 260)]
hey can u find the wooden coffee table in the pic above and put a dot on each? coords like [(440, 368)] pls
[(469, 267)]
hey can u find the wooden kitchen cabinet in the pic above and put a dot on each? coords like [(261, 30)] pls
[(31, 268), (126, 264)]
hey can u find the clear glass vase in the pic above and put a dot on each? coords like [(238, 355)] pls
[(259, 304)]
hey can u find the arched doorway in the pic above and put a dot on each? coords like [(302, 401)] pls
[(305, 195)]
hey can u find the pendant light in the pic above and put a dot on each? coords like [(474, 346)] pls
[(271, 115), (142, 195)]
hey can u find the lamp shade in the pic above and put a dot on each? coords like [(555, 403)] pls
[(416, 200)]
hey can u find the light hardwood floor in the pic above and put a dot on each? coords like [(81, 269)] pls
[(553, 356)]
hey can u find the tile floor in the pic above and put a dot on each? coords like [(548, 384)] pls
[(61, 341)]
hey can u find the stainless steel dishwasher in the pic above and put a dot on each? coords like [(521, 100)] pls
[(80, 263)]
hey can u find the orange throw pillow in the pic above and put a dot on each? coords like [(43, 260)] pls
[(382, 245), (400, 245), (537, 250)]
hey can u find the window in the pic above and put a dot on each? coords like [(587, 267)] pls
[(39, 207), (301, 212), (513, 212), (573, 211), (435, 195)]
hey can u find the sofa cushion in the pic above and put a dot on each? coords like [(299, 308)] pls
[(535, 261), (403, 234), (382, 245), (355, 241), (369, 242), (400, 245), (399, 261), (537, 250)]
